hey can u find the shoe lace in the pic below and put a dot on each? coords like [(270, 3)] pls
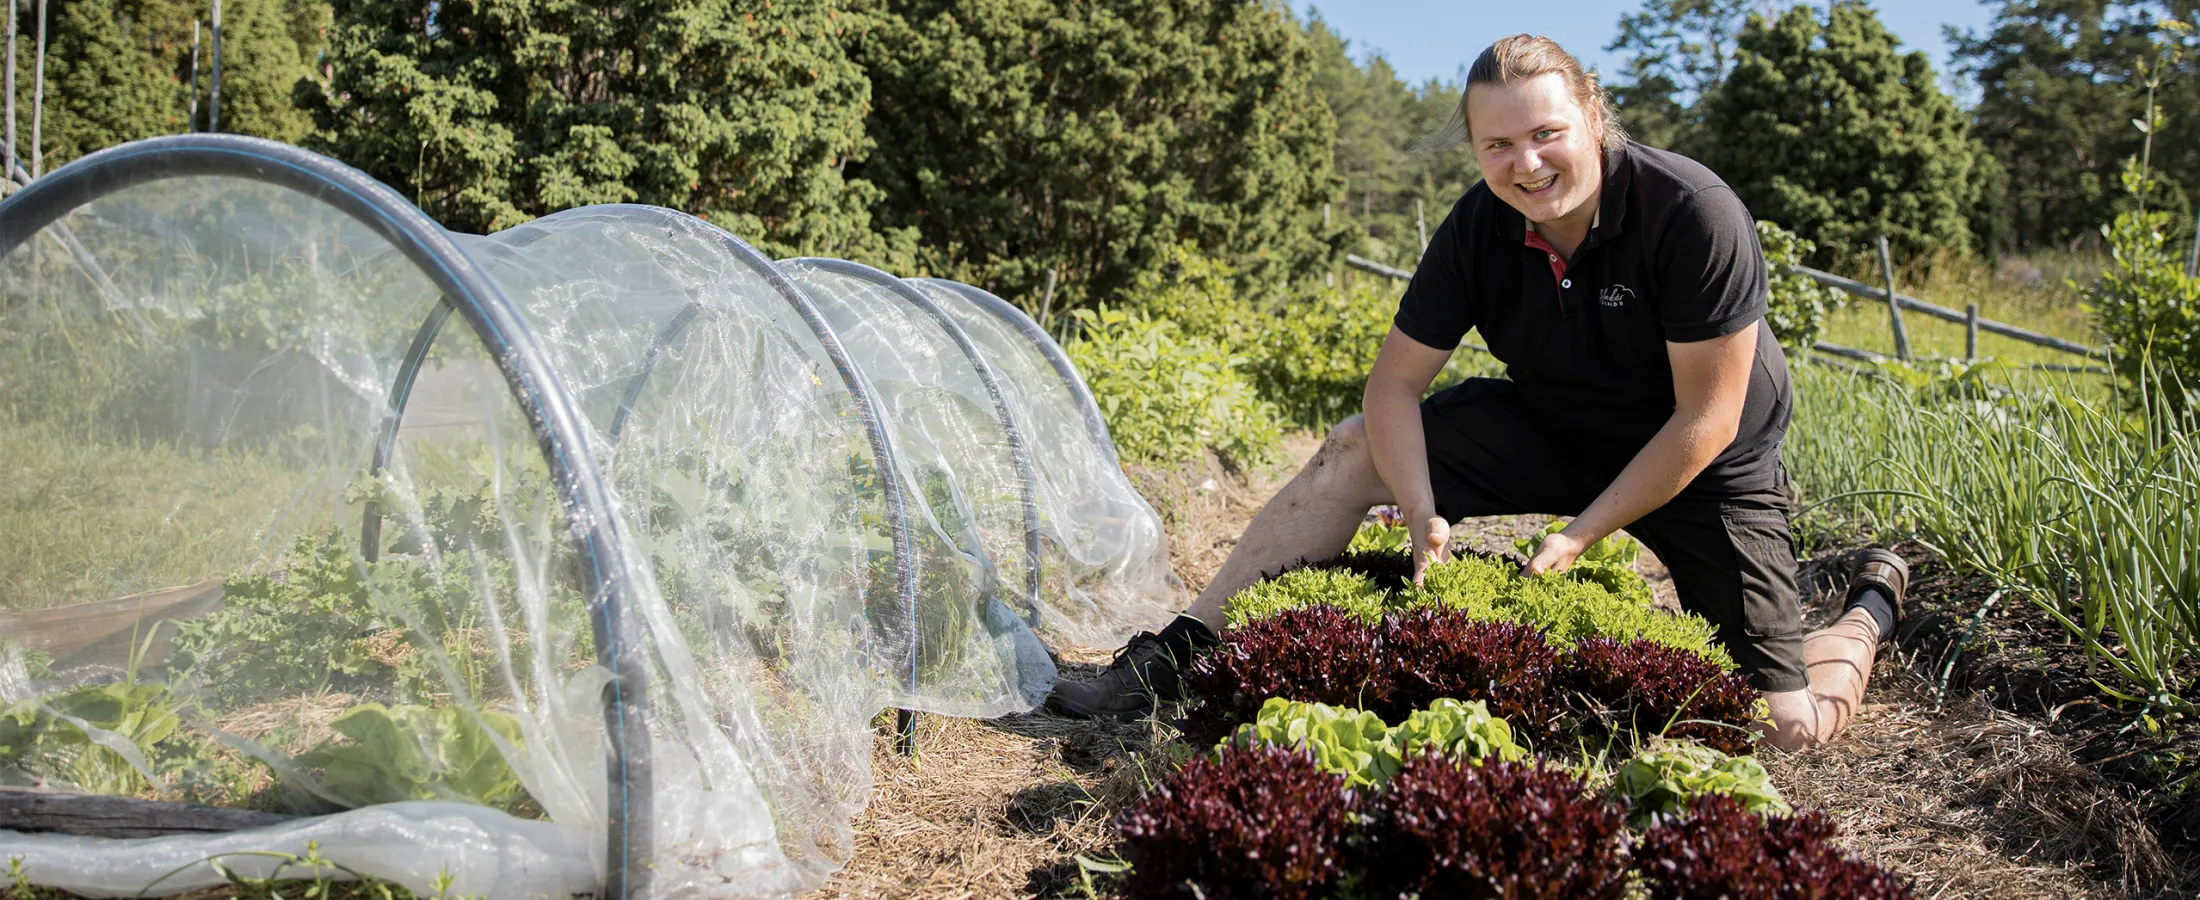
[(1143, 648)]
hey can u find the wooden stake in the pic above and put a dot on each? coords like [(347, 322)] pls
[(1046, 305), (1894, 307), (7, 166), (1420, 223), (214, 93), (1329, 278), (38, 100), (1970, 332), (191, 117)]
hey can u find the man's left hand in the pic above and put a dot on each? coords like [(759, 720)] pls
[(1556, 554)]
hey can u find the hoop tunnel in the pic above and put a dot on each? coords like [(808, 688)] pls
[(467, 290)]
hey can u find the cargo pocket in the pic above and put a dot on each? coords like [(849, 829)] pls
[(1764, 554)]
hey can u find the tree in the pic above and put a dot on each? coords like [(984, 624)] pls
[(492, 112), (102, 86), (1680, 51), (2058, 93), (1824, 127), (1088, 138), (263, 61)]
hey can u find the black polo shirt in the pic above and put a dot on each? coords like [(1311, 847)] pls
[(1673, 257)]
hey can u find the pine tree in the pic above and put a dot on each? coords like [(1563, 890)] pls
[(102, 86), (262, 65), (1089, 138), (1824, 127), (493, 112)]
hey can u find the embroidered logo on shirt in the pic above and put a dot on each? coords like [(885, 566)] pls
[(1616, 296)]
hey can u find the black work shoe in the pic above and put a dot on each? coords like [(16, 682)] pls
[(1881, 569), (1143, 672)]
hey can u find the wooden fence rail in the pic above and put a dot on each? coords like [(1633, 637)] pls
[(1862, 290)]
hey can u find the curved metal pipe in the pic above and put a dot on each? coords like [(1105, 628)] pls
[(1018, 450), (551, 412), (1063, 368)]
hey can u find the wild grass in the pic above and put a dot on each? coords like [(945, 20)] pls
[(2028, 293), (86, 517)]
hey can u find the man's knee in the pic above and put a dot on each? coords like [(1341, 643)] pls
[(1344, 461)]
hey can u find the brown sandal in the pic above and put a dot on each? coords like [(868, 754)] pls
[(1882, 569)]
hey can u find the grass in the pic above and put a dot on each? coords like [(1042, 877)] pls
[(88, 518), (2025, 293)]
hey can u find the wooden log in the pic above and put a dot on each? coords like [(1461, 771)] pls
[(91, 815), (1948, 315), (1360, 262)]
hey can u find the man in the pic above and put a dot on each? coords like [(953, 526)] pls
[(1624, 290)]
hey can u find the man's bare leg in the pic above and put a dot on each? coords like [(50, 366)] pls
[(1839, 658), (1312, 518)]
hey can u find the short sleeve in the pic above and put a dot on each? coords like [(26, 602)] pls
[(1712, 273), (1434, 309)]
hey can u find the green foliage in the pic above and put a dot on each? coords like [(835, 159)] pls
[(1349, 591), (1823, 126), (1610, 562), (1669, 777), (1127, 357), (1461, 730), (418, 753), (79, 737), (1570, 610), (1798, 304), (1678, 51), (740, 111), (1356, 744), (1088, 139), (1315, 353), (1377, 537), (2146, 305)]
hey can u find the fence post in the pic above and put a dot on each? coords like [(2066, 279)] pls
[(1330, 277), (214, 92), (1970, 332), (7, 166), (1046, 305), (1420, 224), (38, 100), (191, 113), (1894, 307)]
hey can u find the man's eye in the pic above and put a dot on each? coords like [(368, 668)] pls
[(1545, 134)]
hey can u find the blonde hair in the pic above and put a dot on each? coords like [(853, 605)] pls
[(1523, 56)]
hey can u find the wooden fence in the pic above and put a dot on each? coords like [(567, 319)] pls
[(1897, 302)]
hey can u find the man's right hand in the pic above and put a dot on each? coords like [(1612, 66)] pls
[(1431, 542)]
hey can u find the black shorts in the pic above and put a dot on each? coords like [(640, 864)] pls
[(1732, 558)]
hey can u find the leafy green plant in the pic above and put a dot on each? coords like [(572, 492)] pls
[(1609, 562), (80, 737), (1798, 304), (1348, 742), (1668, 777), (1569, 610), (1357, 744), (1168, 396), (418, 753), (1349, 591), (1380, 537)]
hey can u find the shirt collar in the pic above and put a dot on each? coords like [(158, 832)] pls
[(1611, 214)]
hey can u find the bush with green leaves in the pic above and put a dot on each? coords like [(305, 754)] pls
[(392, 754), (47, 737), (1316, 350), (1168, 395), (1356, 744), (1666, 778), (2149, 309), (1798, 304)]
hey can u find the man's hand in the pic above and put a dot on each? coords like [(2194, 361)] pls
[(1556, 554), (1431, 541)]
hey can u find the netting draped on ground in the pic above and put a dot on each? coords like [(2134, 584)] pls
[(581, 556)]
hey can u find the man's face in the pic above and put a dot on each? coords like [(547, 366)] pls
[(1537, 147)]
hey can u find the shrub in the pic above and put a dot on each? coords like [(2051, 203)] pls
[(1445, 653), (1345, 589), (1666, 779), (1723, 850), (1568, 610), (2149, 309), (1314, 654), (1314, 358), (1259, 822), (1446, 829), (1798, 304), (1652, 689), (1168, 396)]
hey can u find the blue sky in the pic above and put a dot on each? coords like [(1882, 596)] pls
[(1435, 38)]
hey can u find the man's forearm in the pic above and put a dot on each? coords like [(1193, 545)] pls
[(1399, 449), (1672, 459)]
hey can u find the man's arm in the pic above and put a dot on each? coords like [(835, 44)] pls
[(1403, 371), (1710, 381)]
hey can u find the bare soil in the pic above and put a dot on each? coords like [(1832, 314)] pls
[(1969, 793)]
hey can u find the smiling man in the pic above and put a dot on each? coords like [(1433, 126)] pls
[(1624, 290)]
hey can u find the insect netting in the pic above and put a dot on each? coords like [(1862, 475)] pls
[(580, 557)]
